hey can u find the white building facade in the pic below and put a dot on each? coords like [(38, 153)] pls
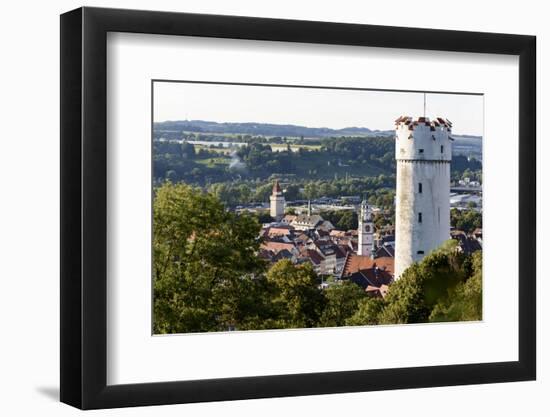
[(423, 157), (365, 244), (277, 202)]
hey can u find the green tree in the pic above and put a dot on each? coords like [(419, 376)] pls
[(342, 300), (263, 192), (297, 300), (412, 298), (341, 219), (264, 217), (204, 261), (465, 303), (292, 192), (466, 220), (348, 220), (367, 313)]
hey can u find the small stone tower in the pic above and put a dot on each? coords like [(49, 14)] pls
[(422, 218), (277, 202), (365, 231)]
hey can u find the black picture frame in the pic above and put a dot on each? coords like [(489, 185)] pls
[(84, 207)]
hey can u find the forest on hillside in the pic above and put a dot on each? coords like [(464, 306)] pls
[(333, 159)]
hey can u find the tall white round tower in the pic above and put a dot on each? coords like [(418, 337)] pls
[(422, 218)]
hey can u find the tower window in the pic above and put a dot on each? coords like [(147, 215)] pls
[(421, 151), (419, 188), (441, 148), (420, 252), (419, 217)]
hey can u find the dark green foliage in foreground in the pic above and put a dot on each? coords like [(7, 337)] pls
[(203, 258), (465, 300), (342, 303), (444, 286), (207, 277), (296, 299), (368, 310)]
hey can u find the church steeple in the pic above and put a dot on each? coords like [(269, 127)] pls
[(365, 245)]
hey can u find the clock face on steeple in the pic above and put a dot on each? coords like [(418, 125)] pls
[(367, 228)]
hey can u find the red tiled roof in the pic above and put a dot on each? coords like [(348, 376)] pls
[(337, 233), (277, 246), (356, 263), (377, 277), (280, 231)]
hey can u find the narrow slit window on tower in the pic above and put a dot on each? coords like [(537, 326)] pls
[(421, 151), (441, 148), (419, 217), (420, 252), (419, 188)]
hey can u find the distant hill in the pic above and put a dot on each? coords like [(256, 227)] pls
[(464, 144), (468, 146), (265, 129)]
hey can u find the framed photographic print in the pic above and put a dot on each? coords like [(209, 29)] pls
[(257, 207)]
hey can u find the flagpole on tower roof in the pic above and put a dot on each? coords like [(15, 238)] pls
[(424, 104)]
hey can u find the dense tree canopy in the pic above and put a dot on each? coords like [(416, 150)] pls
[(297, 300), (444, 286), (466, 220), (341, 219), (341, 303), (204, 260), (207, 277), (331, 159)]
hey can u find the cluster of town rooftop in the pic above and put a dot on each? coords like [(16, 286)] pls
[(363, 256)]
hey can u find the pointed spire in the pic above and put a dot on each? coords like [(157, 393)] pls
[(309, 207), (276, 187)]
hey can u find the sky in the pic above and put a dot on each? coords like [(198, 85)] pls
[(312, 107)]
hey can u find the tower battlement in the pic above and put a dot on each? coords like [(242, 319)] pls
[(422, 139), (411, 123)]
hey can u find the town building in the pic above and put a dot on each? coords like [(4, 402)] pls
[(467, 244), (277, 202), (373, 275), (307, 221)]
